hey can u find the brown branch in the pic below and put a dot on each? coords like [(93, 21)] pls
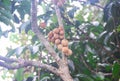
[(58, 16), (5, 59), (20, 63), (107, 74), (39, 34)]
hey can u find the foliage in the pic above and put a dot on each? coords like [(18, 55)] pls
[(6, 17), (93, 32)]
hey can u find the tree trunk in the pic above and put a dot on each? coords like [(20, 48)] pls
[(64, 72)]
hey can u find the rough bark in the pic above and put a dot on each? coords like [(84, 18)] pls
[(64, 71), (13, 64)]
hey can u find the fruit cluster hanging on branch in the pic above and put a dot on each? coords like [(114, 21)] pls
[(57, 37)]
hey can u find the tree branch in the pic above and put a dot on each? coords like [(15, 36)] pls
[(7, 60), (20, 63), (39, 34), (58, 16)]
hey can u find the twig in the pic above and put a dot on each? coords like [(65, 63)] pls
[(89, 68), (107, 74), (98, 6)]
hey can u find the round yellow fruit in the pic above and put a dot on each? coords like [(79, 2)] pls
[(61, 32), (56, 30), (60, 28), (60, 47), (52, 40), (61, 37), (65, 50), (57, 41), (69, 52), (64, 42), (56, 36), (50, 34)]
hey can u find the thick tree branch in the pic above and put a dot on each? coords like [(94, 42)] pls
[(39, 34), (58, 16), (5, 59), (20, 63)]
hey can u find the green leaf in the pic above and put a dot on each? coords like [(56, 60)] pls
[(6, 2), (16, 19), (1, 32), (19, 51), (6, 13), (34, 49), (110, 26), (116, 70), (19, 74), (6, 21), (96, 30), (4, 6), (54, 18), (44, 7), (10, 53), (102, 36), (118, 28), (14, 37), (71, 65), (44, 76), (85, 77), (34, 39), (107, 37), (24, 25), (115, 9), (30, 32)]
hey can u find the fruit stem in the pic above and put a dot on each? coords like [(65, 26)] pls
[(58, 14)]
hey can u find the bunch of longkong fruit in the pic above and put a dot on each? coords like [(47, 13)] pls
[(57, 37)]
